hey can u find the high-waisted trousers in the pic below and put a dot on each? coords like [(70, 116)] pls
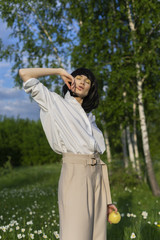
[(83, 195)]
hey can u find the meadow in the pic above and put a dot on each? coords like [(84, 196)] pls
[(29, 205)]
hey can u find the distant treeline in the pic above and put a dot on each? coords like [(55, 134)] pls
[(23, 142)]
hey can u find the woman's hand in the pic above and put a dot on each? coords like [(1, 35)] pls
[(67, 78), (110, 208)]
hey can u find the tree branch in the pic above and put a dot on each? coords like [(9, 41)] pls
[(48, 37)]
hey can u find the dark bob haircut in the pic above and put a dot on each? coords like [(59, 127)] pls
[(91, 101)]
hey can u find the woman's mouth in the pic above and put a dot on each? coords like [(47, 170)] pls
[(80, 88)]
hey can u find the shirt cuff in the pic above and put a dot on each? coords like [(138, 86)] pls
[(30, 82)]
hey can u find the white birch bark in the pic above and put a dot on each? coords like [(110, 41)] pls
[(135, 145), (108, 149), (145, 140), (124, 147), (135, 132), (130, 148)]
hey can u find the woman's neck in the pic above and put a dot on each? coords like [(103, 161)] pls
[(80, 100)]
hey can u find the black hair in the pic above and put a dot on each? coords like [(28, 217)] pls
[(91, 101)]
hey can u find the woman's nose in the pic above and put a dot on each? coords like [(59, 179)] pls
[(82, 81)]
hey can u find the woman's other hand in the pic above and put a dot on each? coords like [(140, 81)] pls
[(111, 208)]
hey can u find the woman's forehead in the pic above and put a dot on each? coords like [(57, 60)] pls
[(82, 76)]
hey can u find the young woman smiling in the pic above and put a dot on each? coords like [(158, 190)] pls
[(84, 197)]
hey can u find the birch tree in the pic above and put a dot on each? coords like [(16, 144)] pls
[(42, 36), (121, 40), (140, 80)]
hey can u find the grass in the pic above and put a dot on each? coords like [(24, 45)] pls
[(29, 207)]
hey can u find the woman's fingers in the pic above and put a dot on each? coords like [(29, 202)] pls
[(67, 78), (113, 207), (109, 221), (73, 85)]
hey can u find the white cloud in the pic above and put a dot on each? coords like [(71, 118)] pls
[(10, 93), (15, 102)]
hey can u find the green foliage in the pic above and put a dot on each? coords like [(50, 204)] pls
[(22, 142), (41, 32), (122, 177), (96, 35), (7, 168)]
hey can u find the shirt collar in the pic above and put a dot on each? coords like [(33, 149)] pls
[(70, 98)]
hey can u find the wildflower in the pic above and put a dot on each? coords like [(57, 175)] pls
[(56, 234), (19, 236), (17, 228), (133, 235), (39, 232), (144, 214), (44, 236), (31, 236), (29, 222), (128, 214), (23, 230), (3, 229), (149, 222), (155, 223)]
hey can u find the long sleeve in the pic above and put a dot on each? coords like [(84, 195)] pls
[(38, 92), (98, 135)]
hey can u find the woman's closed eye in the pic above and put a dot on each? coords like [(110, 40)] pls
[(88, 81)]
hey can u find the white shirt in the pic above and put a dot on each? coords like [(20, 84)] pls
[(67, 126)]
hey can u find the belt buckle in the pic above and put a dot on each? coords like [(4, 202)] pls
[(94, 162)]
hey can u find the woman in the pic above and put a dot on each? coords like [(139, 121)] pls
[(84, 198)]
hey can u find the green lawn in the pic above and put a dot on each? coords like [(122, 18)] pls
[(29, 207)]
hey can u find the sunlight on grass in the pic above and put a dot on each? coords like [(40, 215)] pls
[(29, 207)]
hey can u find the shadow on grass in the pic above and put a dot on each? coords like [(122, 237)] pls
[(116, 231), (150, 232)]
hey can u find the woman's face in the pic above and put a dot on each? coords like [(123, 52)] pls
[(81, 86)]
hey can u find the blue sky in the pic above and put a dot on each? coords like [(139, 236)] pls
[(13, 101)]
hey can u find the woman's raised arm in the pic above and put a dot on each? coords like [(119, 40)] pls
[(27, 73)]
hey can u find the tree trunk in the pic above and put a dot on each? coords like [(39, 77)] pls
[(135, 145), (124, 147), (130, 148), (108, 150), (151, 176)]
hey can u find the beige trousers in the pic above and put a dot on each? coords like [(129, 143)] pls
[(83, 195)]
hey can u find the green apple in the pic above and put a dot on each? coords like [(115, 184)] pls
[(114, 217)]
